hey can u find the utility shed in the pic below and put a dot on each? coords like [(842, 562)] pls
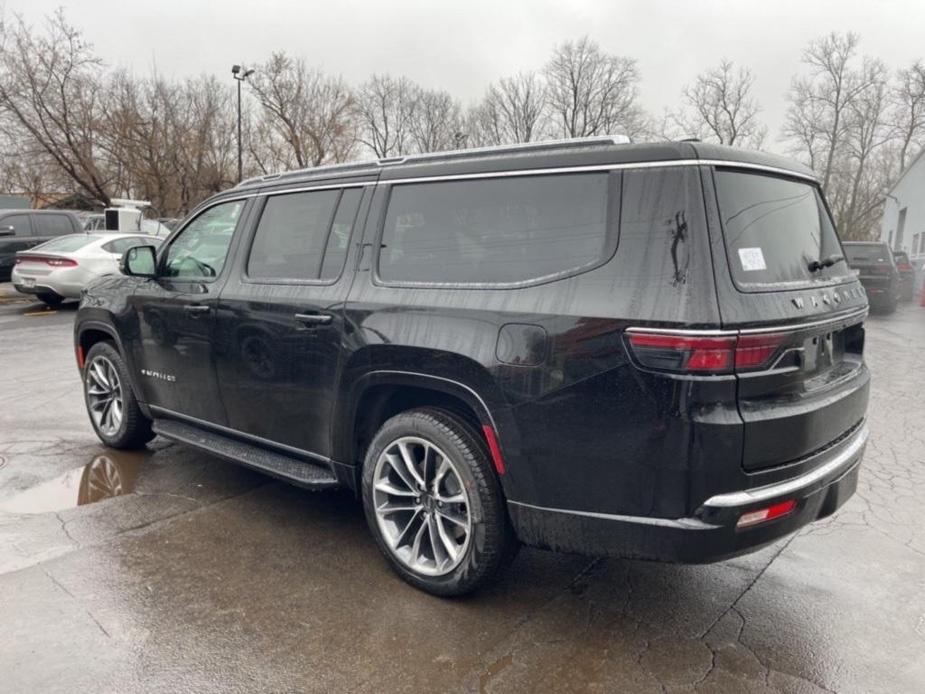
[(903, 225)]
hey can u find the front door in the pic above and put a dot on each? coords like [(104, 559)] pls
[(175, 316), (280, 318)]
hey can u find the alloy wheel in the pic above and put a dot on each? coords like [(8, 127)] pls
[(104, 395), (421, 505)]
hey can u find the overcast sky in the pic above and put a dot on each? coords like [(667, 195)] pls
[(463, 45)]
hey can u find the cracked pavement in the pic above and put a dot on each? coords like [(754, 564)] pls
[(205, 576)]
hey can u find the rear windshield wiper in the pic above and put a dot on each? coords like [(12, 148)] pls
[(816, 265)]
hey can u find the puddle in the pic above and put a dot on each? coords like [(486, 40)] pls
[(104, 477)]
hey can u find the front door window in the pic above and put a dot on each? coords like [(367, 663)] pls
[(199, 252)]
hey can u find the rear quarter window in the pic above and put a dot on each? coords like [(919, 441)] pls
[(498, 231), (774, 228)]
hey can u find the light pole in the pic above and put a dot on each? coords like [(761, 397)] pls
[(240, 74)]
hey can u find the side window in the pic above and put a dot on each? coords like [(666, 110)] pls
[(199, 252), (53, 225), (495, 231), (292, 236), (335, 253), (19, 223)]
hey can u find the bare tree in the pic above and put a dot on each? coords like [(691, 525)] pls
[(50, 85), (513, 110), (908, 112), (309, 111), (836, 123), (591, 92), (816, 119), (386, 107), (436, 123), (720, 107)]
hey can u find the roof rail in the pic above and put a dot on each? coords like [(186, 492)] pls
[(577, 142)]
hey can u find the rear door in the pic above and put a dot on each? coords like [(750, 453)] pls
[(280, 317), (784, 286)]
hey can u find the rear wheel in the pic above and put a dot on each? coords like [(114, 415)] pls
[(434, 504), (50, 298), (111, 404)]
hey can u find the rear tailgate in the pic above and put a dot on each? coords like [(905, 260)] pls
[(781, 278), (814, 394)]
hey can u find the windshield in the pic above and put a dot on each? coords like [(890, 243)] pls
[(68, 244), (867, 253), (777, 231)]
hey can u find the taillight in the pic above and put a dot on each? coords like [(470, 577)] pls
[(684, 353), (707, 354), (54, 262), (764, 515), (904, 267), (755, 351)]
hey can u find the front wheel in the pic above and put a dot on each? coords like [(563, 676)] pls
[(434, 504), (111, 404)]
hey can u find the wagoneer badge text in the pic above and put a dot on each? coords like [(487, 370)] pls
[(170, 378)]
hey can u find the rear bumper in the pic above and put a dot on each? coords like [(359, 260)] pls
[(711, 534)]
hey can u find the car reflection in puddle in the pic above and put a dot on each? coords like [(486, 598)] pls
[(106, 476)]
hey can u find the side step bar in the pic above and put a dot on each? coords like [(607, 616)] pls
[(300, 472)]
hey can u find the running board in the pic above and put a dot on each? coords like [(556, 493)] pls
[(300, 472)]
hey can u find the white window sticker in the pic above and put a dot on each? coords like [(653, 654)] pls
[(752, 259)]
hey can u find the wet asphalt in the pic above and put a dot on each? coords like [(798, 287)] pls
[(171, 571)]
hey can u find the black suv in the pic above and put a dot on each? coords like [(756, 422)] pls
[(877, 272), (646, 351)]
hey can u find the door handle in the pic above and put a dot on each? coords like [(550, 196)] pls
[(310, 319), (196, 309)]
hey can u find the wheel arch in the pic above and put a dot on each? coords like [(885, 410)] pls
[(379, 395), (92, 332)]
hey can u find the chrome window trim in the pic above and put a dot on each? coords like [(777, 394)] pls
[(306, 189), (600, 167)]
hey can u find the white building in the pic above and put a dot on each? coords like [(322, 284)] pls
[(903, 224)]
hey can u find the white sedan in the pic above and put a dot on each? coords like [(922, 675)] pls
[(59, 269)]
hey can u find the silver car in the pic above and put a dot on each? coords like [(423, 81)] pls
[(62, 267)]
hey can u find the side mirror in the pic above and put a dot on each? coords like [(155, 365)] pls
[(7, 231), (139, 261)]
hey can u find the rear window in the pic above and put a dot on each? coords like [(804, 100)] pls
[(867, 253), (774, 229), (495, 231), (68, 244)]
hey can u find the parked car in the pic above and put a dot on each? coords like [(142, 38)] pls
[(877, 271), (22, 229), (59, 269), (612, 349), (906, 275)]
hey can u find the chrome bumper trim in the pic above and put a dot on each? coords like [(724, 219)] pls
[(844, 459)]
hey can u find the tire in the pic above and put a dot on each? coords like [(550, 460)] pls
[(50, 298), (489, 544), (890, 304), (104, 368)]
